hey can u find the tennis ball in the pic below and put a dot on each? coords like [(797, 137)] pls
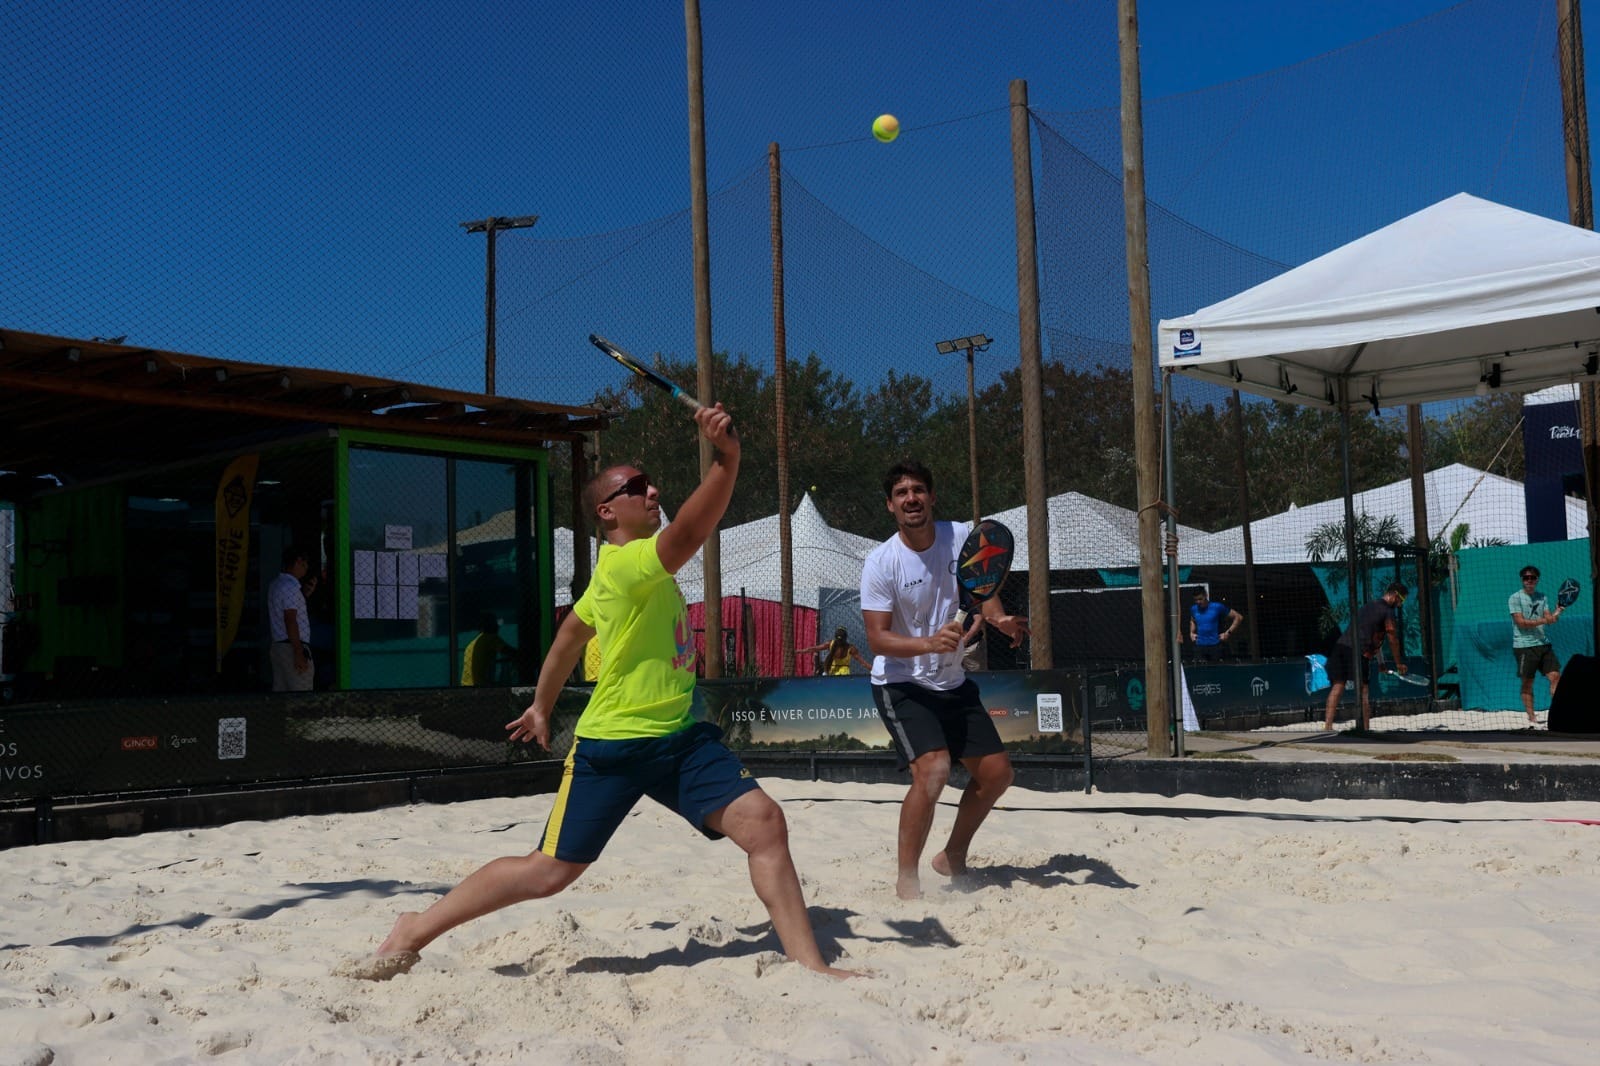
[(886, 128)]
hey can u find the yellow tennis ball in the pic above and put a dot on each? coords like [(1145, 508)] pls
[(886, 128)]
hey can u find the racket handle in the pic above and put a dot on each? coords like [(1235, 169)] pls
[(687, 400)]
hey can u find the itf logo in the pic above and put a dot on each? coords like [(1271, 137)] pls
[(1258, 686)]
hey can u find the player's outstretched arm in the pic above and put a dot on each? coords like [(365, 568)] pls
[(565, 651), (704, 508)]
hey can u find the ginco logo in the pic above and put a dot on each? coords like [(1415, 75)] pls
[(140, 743)]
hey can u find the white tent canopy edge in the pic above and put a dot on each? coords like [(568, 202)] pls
[(1459, 297)]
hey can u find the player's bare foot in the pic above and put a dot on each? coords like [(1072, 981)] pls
[(950, 865), (908, 886), (834, 971), (403, 937)]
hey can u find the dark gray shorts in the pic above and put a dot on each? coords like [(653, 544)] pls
[(921, 720), (1539, 659)]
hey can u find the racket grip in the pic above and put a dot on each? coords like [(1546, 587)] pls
[(687, 400)]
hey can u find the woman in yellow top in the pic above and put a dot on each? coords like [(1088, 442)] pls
[(840, 651)]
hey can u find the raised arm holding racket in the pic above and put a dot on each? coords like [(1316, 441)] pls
[(913, 607)]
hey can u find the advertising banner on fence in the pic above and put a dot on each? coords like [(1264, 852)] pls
[(1037, 711)]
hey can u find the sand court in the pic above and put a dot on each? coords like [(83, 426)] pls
[(1111, 928)]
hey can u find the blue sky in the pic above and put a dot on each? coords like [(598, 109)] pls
[(283, 182)]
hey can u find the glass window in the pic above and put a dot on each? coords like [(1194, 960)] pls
[(400, 586), (494, 562), (443, 570)]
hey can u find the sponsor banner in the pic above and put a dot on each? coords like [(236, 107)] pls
[(113, 747), (839, 714)]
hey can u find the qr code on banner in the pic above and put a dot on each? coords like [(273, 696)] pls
[(230, 738), (1049, 704)]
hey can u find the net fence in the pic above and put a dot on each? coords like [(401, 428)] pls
[(294, 188)]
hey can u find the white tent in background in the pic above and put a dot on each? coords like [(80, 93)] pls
[(824, 557), (1463, 293), (1492, 506), (1085, 534)]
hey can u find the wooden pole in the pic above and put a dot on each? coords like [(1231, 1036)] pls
[(488, 312), (780, 381), (1146, 434), (1580, 212), (972, 439), (1031, 377), (704, 383)]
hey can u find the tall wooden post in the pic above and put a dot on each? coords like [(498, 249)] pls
[(704, 383), (1031, 379), (1146, 436), (780, 381), (1580, 212)]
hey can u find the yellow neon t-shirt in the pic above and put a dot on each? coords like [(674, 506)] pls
[(646, 684)]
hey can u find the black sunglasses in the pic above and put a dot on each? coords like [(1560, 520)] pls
[(637, 485)]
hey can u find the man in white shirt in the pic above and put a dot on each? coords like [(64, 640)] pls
[(933, 712), (290, 626)]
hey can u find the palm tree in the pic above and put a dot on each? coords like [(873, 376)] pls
[(1374, 536)]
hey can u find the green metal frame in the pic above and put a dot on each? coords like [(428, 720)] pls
[(544, 531)]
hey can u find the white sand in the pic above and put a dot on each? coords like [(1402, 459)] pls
[(1112, 928)]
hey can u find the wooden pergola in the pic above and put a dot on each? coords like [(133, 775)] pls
[(73, 411)]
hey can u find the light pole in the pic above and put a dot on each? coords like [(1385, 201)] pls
[(492, 225), (976, 343)]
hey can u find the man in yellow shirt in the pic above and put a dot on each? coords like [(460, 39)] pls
[(636, 737)]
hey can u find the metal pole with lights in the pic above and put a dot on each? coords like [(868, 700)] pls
[(490, 226), (969, 345)]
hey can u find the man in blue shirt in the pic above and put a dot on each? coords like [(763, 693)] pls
[(1205, 625)]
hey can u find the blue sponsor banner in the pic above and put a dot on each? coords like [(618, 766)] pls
[(1553, 459)]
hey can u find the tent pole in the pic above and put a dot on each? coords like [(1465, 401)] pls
[(1424, 543), (1174, 595), (1358, 672)]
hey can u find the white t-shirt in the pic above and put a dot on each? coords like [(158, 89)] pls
[(282, 595), (918, 589)]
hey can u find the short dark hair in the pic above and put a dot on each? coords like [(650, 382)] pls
[(1529, 571), (1201, 594), (1398, 589), (905, 468), (293, 554)]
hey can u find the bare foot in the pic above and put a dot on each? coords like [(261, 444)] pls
[(403, 937), (834, 971), (908, 886), (949, 865), (378, 967)]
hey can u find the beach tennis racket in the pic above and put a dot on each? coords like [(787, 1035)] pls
[(1567, 594), (645, 372), (1420, 682), (982, 565)]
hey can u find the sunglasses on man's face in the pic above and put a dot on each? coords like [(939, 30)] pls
[(1530, 577), (637, 485)]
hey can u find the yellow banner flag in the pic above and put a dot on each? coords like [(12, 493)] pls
[(233, 547)]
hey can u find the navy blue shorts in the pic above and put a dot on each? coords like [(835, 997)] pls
[(921, 720), (691, 772)]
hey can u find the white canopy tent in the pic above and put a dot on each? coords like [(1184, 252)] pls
[(1490, 505), (1427, 308), (1461, 298), (1085, 534)]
